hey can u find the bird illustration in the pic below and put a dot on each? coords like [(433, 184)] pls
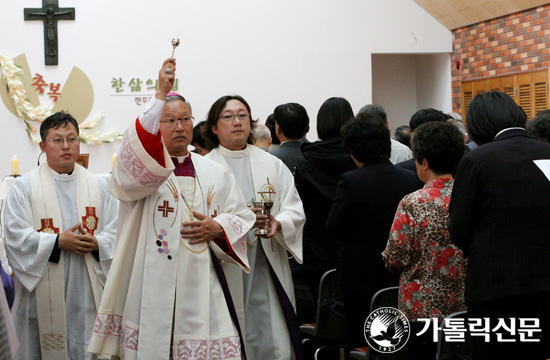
[(388, 334)]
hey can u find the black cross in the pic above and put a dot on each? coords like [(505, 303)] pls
[(49, 14)]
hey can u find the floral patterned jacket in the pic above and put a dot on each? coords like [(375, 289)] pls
[(432, 268)]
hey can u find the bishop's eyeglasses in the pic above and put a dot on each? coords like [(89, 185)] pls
[(186, 120)]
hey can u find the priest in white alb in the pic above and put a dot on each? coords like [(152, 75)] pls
[(60, 237), (265, 297), (181, 214)]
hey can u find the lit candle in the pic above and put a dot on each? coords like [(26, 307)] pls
[(15, 165), (113, 158)]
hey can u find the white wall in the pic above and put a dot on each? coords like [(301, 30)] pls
[(270, 52), (433, 74), (394, 87), (404, 83)]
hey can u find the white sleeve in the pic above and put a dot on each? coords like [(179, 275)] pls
[(291, 213), (136, 174), (107, 236), (5, 186), (150, 117), (236, 220), (28, 250)]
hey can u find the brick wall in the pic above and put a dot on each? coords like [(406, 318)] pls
[(506, 45)]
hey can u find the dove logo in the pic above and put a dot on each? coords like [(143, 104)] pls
[(387, 330)]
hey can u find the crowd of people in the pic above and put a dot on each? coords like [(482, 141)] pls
[(201, 254)]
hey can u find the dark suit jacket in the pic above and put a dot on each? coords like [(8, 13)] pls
[(499, 215), (316, 177), (289, 153), (361, 217), (411, 165), (407, 164)]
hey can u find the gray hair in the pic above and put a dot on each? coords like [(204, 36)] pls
[(375, 109), (455, 116), (460, 126), (180, 98), (262, 132)]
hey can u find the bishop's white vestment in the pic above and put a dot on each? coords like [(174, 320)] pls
[(258, 303), (56, 302), (163, 298)]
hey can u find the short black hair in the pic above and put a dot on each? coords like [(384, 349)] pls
[(270, 123), (377, 110), (441, 143), (491, 112), (367, 138), (214, 113), (424, 116), (539, 127), (332, 115), (292, 119), (197, 137), (54, 121), (403, 135)]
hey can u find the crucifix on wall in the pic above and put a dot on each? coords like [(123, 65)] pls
[(50, 13)]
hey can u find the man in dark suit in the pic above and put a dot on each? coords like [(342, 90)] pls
[(291, 125), (362, 214), (499, 214), (460, 126), (399, 152), (420, 117)]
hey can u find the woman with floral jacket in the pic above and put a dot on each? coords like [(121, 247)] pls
[(419, 247)]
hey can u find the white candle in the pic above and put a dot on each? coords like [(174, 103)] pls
[(15, 165), (113, 158)]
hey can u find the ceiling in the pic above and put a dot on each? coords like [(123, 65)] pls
[(458, 13)]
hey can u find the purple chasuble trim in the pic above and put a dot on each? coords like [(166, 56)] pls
[(290, 316), (228, 299)]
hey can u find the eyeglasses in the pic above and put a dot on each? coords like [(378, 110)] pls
[(60, 141), (230, 117), (187, 120)]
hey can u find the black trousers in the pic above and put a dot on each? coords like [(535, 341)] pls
[(534, 305), (357, 308)]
